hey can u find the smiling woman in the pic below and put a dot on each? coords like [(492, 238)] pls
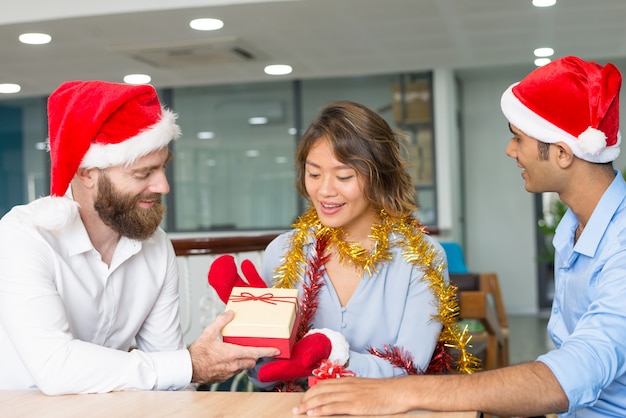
[(372, 282)]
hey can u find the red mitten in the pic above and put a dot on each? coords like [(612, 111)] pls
[(223, 276), (315, 346)]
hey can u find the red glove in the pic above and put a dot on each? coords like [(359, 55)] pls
[(307, 354), (223, 276)]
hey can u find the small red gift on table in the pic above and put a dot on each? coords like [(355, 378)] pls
[(328, 370), (264, 317)]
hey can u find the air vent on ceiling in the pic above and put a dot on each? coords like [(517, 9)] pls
[(195, 53)]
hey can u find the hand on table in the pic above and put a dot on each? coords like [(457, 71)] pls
[(353, 396), (214, 361)]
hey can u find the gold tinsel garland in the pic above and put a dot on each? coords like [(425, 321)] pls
[(416, 250)]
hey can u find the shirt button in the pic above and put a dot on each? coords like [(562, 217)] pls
[(343, 325), (555, 310)]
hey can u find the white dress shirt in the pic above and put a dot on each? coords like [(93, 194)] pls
[(67, 320)]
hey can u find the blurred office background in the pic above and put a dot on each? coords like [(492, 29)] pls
[(434, 69)]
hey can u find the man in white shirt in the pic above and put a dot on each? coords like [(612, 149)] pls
[(86, 272)]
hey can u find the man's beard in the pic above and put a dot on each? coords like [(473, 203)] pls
[(120, 212)]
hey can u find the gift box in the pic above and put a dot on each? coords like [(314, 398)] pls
[(328, 370), (264, 317)]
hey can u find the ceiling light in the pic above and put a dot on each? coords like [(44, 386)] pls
[(544, 52), (137, 79), (544, 3), (278, 69), (257, 120), (540, 62), (252, 153), (35, 38), (9, 88), (281, 160), (206, 24), (205, 135)]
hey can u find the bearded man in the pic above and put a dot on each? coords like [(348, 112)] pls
[(86, 273)]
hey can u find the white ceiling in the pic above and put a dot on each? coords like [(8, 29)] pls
[(319, 38)]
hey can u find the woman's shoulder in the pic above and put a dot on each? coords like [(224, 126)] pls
[(281, 243), (412, 229)]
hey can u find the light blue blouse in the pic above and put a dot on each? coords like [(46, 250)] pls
[(588, 320), (394, 307)]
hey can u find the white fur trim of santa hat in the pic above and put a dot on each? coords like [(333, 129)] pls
[(151, 139), (572, 101), (340, 351)]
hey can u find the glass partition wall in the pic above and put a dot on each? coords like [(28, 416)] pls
[(233, 167)]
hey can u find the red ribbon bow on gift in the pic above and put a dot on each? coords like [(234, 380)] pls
[(329, 370), (265, 297)]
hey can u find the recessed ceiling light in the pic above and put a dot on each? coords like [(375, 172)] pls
[(35, 38), (540, 62), (544, 3), (252, 153), (137, 79), (206, 24), (205, 135), (9, 88), (544, 52), (281, 160), (257, 120), (278, 69)]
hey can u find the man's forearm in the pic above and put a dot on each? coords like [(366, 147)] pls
[(527, 389)]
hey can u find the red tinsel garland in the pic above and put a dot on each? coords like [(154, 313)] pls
[(309, 301), (397, 357), (310, 292), (441, 360)]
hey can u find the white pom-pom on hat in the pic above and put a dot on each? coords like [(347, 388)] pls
[(592, 141), (340, 352), (53, 213)]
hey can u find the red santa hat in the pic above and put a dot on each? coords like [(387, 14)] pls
[(98, 124), (569, 100)]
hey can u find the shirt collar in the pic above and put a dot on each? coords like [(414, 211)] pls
[(602, 215), (77, 240)]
